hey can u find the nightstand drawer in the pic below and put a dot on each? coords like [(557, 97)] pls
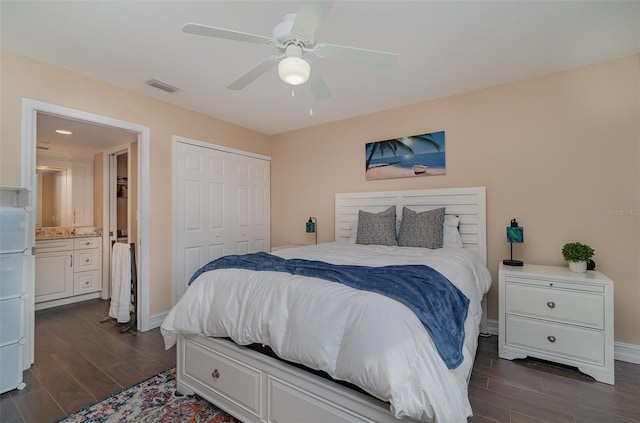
[(576, 307), (574, 343)]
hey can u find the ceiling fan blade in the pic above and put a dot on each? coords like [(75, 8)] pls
[(356, 55), (254, 73), (319, 89), (210, 31), (309, 17)]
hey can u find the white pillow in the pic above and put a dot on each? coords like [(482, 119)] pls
[(450, 237), (353, 231)]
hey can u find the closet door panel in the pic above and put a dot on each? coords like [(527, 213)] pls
[(221, 206), (216, 251), (191, 260), (259, 205), (243, 230), (217, 216)]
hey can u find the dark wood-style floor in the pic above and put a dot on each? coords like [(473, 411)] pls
[(79, 361)]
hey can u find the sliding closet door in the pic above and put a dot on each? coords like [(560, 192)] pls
[(221, 207)]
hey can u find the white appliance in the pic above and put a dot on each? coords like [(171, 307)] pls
[(14, 261)]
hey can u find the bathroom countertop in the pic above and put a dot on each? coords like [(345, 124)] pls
[(64, 236), (62, 232)]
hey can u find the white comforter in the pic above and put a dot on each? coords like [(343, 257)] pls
[(361, 337)]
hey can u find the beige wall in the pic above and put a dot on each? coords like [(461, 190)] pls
[(22, 77), (560, 153)]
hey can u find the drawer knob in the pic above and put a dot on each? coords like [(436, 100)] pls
[(215, 374), (551, 338), (86, 261), (87, 243), (551, 304)]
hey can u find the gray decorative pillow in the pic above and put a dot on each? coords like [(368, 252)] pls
[(422, 229), (377, 228)]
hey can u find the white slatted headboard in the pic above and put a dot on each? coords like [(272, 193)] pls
[(467, 203)]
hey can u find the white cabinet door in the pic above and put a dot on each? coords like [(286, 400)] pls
[(82, 194), (54, 275)]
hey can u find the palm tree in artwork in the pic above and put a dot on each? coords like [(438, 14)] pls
[(398, 144)]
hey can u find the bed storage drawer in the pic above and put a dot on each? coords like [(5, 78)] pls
[(287, 403), (283, 393), (224, 375)]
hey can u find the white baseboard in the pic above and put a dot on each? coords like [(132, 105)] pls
[(626, 352), (69, 300), (156, 320), (492, 327), (621, 351)]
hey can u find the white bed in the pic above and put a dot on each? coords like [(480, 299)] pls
[(357, 336)]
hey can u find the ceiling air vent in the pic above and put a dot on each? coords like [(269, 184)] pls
[(162, 86)]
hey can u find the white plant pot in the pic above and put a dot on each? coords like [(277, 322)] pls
[(578, 266)]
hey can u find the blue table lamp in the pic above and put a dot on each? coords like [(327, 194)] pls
[(515, 235), (312, 227)]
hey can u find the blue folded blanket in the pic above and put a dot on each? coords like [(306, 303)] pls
[(439, 304)]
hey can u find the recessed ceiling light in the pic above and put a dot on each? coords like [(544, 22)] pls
[(63, 131)]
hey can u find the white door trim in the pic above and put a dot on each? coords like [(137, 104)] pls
[(107, 216), (30, 108), (175, 139)]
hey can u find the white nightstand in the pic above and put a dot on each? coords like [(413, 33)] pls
[(554, 314)]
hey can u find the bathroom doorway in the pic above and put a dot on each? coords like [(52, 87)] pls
[(31, 110)]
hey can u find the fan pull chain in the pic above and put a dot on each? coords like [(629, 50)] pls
[(293, 92)]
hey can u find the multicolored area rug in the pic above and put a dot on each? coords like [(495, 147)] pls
[(151, 401)]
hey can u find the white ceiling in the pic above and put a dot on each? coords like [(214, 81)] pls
[(85, 139), (443, 48)]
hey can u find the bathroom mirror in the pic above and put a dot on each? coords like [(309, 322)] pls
[(53, 196)]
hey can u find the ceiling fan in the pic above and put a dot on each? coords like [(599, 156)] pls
[(294, 38)]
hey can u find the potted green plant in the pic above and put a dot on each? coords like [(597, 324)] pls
[(577, 255)]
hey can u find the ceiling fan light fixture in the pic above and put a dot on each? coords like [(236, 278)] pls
[(294, 70)]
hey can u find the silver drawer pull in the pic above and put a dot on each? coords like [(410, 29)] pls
[(551, 338), (551, 304), (215, 374)]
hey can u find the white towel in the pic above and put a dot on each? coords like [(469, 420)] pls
[(120, 282)]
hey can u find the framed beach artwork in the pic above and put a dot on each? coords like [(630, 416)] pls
[(417, 155)]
